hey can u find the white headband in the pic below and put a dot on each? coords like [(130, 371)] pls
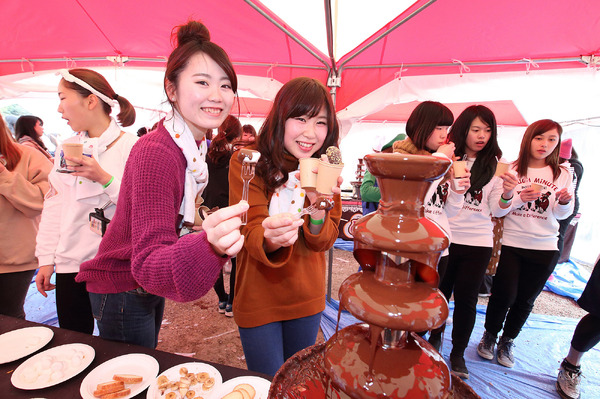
[(73, 79)]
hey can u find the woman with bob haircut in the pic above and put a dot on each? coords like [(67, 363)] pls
[(280, 281), (23, 184), (142, 258), (65, 239), (474, 133), (29, 130), (427, 131), (529, 244)]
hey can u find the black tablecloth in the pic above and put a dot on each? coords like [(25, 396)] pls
[(105, 350)]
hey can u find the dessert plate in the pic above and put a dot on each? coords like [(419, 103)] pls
[(175, 373), (53, 366), (135, 363), (22, 342)]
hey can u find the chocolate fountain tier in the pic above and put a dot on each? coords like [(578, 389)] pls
[(365, 369), (303, 377), (412, 307), (399, 225)]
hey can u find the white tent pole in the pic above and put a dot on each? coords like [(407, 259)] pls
[(471, 63), (287, 32)]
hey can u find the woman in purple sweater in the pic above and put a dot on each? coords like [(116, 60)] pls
[(142, 258)]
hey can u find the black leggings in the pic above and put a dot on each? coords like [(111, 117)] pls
[(466, 269), (73, 304), (587, 333), (521, 276), (220, 285), (13, 291)]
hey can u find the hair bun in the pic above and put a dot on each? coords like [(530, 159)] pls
[(192, 31)]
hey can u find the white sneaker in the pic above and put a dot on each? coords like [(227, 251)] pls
[(568, 380)]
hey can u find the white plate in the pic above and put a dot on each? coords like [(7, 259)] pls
[(134, 363), (193, 367), (22, 342), (65, 361), (259, 384)]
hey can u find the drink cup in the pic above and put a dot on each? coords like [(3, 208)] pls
[(308, 178), (537, 187), (501, 168), (457, 188), (72, 150), (460, 169), (327, 176)]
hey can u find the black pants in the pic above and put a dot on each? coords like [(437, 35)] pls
[(587, 333), (13, 290), (519, 280), (466, 269), (73, 304), (220, 285)]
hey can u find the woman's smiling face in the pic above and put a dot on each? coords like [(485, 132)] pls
[(304, 135), (203, 95)]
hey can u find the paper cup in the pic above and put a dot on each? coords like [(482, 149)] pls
[(501, 168), (72, 150), (456, 187), (460, 169), (308, 179), (537, 187), (327, 176)]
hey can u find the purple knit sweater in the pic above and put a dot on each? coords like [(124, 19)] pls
[(141, 246)]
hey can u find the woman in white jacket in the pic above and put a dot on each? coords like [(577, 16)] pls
[(65, 238)]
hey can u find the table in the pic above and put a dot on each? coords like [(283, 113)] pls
[(105, 350)]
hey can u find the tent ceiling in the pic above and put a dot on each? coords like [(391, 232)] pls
[(430, 37), (506, 112)]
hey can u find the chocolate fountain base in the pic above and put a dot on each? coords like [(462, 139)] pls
[(303, 377)]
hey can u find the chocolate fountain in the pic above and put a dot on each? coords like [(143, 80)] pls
[(395, 296)]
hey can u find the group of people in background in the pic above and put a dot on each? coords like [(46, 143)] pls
[(151, 189), (532, 198)]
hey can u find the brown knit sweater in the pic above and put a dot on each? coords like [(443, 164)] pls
[(22, 193), (288, 283)]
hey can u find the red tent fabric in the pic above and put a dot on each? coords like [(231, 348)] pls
[(431, 37), (506, 112)]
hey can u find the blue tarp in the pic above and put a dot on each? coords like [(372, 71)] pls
[(540, 347), (41, 309), (568, 280)]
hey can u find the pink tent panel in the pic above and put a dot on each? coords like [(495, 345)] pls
[(505, 111), (485, 36), (251, 107)]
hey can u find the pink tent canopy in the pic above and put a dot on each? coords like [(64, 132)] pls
[(430, 37), (506, 112)]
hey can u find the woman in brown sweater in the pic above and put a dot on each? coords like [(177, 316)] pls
[(280, 281), (23, 184)]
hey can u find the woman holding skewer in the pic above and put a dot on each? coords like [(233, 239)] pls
[(280, 281), (142, 258)]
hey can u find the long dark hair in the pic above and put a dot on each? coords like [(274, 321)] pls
[(535, 129), (220, 146), (126, 116), (424, 119), (485, 164), (8, 148), (299, 96), (25, 126)]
